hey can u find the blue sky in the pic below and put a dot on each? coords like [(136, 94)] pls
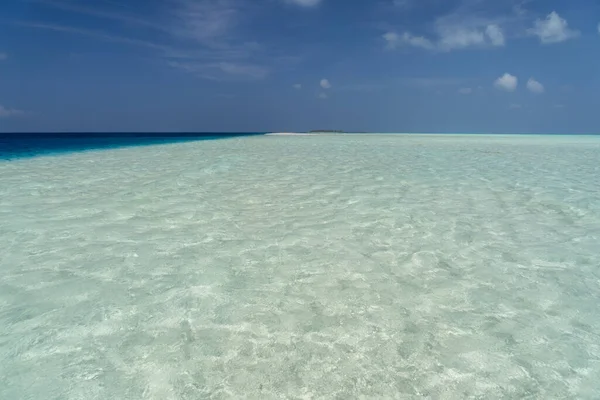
[(529, 66)]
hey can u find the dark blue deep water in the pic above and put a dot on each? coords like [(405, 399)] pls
[(20, 145)]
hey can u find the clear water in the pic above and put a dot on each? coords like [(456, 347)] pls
[(441, 267), (23, 145)]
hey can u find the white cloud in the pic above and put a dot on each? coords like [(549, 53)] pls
[(515, 106), (495, 34), (297, 86), (534, 86), (304, 3), (10, 112), (394, 40), (507, 82), (465, 90), (322, 95), (467, 24), (553, 29), (3, 56), (450, 37), (459, 38), (325, 84)]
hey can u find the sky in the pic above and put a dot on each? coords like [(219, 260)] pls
[(488, 66)]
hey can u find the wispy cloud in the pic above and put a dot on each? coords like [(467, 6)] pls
[(394, 40), (198, 36), (204, 21), (394, 84), (95, 34), (433, 82), (297, 86), (104, 14), (366, 87), (10, 112), (222, 70), (208, 22), (325, 84), (3, 56), (403, 4), (252, 71), (304, 3)]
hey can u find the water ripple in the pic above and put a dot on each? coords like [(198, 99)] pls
[(303, 267)]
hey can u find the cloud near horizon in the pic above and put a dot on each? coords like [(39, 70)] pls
[(10, 112)]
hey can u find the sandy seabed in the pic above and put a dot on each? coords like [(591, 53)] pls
[(340, 267)]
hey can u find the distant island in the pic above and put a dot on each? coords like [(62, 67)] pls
[(325, 131), (331, 131), (311, 133)]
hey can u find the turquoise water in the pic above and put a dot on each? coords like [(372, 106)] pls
[(24, 145), (383, 266)]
